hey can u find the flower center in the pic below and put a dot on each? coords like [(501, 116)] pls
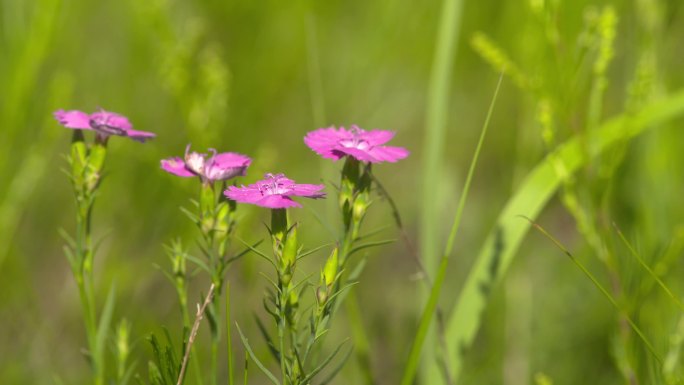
[(195, 162), (274, 185), (101, 124), (356, 141)]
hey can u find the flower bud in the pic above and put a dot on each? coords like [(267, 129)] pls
[(290, 249), (361, 204), (322, 295), (330, 269)]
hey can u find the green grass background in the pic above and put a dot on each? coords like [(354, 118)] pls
[(255, 76)]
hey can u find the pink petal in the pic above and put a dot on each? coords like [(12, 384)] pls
[(73, 119), (111, 119), (388, 153), (308, 190), (246, 194), (140, 136), (377, 137), (231, 159), (176, 166), (324, 140), (362, 155), (276, 202)]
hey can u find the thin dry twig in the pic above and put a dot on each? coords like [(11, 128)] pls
[(193, 332)]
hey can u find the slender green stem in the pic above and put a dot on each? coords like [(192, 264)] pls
[(281, 336), (431, 305), (229, 341), (84, 281)]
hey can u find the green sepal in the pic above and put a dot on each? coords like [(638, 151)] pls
[(207, 206), (278, 226), (78, 157)]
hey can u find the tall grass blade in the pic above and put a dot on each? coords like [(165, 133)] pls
[(536, 189), (431, 306), (433, 146)]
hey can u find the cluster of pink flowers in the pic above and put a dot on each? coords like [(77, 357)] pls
[(275, 190)]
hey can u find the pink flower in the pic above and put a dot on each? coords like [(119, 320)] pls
[(103, 122), (274, 192), (366, 146), (220, 166)]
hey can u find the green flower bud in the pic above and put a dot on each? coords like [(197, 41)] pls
[(330, 269), (322, 295), (290, 248), (361, 204)]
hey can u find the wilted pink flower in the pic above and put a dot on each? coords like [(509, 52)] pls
[(103, 122), (274, 192), (366, 146), (219, 166)]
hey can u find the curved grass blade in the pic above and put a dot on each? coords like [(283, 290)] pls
[(602, 289), (323, 364), (536, 189), (255, 359), (650, 271)]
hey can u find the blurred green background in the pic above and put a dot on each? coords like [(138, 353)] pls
[(255, 76)]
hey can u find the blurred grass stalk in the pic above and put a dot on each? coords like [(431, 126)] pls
[(433, 150), (22, 67)]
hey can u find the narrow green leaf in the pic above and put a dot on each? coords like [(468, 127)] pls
[(103, 329), (255, 359), (338, 368), (370, 244), (269, 341), (324, 363)]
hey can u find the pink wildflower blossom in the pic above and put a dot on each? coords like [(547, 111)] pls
[(274, 192), (366, 146), (103, 122), (219, 166)]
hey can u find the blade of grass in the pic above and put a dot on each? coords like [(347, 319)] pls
[(255, 359), (431, 306), (598, 285), (435, 126), (536, 189), (649, 270)]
